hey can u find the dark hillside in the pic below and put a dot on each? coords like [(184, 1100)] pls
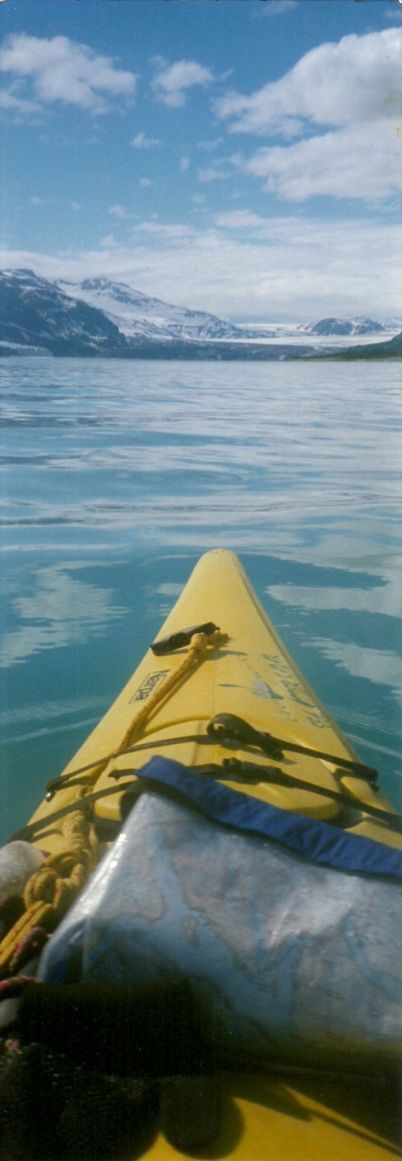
[(391, 349)]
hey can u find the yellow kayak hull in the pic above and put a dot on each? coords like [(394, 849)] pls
[(278, 1119), (247, 672)]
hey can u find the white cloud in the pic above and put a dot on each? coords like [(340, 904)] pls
[(337, 84), (145, 182), (278, 7), (240, 220), (14, 104), (108, 242), (281, 268), (172, 82), (339, 165), (209, 173), (352, 89), (170, 232), (184, 164), (60, 70), (42, 202), (210, 144), (141, 141), (39, 201), (119, 212)]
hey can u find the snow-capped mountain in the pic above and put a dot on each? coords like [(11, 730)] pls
[(39, 316), (138, 315), (344, 326), (100, 317), (35, 312)]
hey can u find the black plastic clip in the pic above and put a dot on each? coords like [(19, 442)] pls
[(230, 728), (182, 638)]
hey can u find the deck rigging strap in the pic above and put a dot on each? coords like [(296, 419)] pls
[(275, 774), (270, 773), (230, 727), (199, 646), (41, 826), (233, 769), (74, 777)]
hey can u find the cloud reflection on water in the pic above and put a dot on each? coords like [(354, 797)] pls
[(375, 665), (142, 466), (384, 598), (63, 610)]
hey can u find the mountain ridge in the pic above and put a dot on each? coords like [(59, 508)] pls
[(344, 326), (140, 314), (40, 316)]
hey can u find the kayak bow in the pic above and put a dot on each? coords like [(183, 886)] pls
[(251, 852)]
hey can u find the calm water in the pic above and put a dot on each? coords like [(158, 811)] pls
[(116, 476)]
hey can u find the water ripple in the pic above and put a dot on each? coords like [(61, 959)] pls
[(115, 476)]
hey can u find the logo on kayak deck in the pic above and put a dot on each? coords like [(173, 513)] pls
[(148, 685)]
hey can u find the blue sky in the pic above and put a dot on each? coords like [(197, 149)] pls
[(238, 156)]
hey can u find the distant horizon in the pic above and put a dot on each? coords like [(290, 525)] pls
[(392, 320)]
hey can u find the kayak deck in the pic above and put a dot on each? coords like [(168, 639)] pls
[(311, 1119), (248, 674)]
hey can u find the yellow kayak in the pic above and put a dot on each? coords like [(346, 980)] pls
[(247, 673), (217, 739)]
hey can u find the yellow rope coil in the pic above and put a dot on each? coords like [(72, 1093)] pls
[(34, 917), (62, 875), (50, 890)]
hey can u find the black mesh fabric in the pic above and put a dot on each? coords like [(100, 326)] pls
[(100, 1068), (51, 1109)]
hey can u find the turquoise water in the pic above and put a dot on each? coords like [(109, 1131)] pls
[(116, 476)]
